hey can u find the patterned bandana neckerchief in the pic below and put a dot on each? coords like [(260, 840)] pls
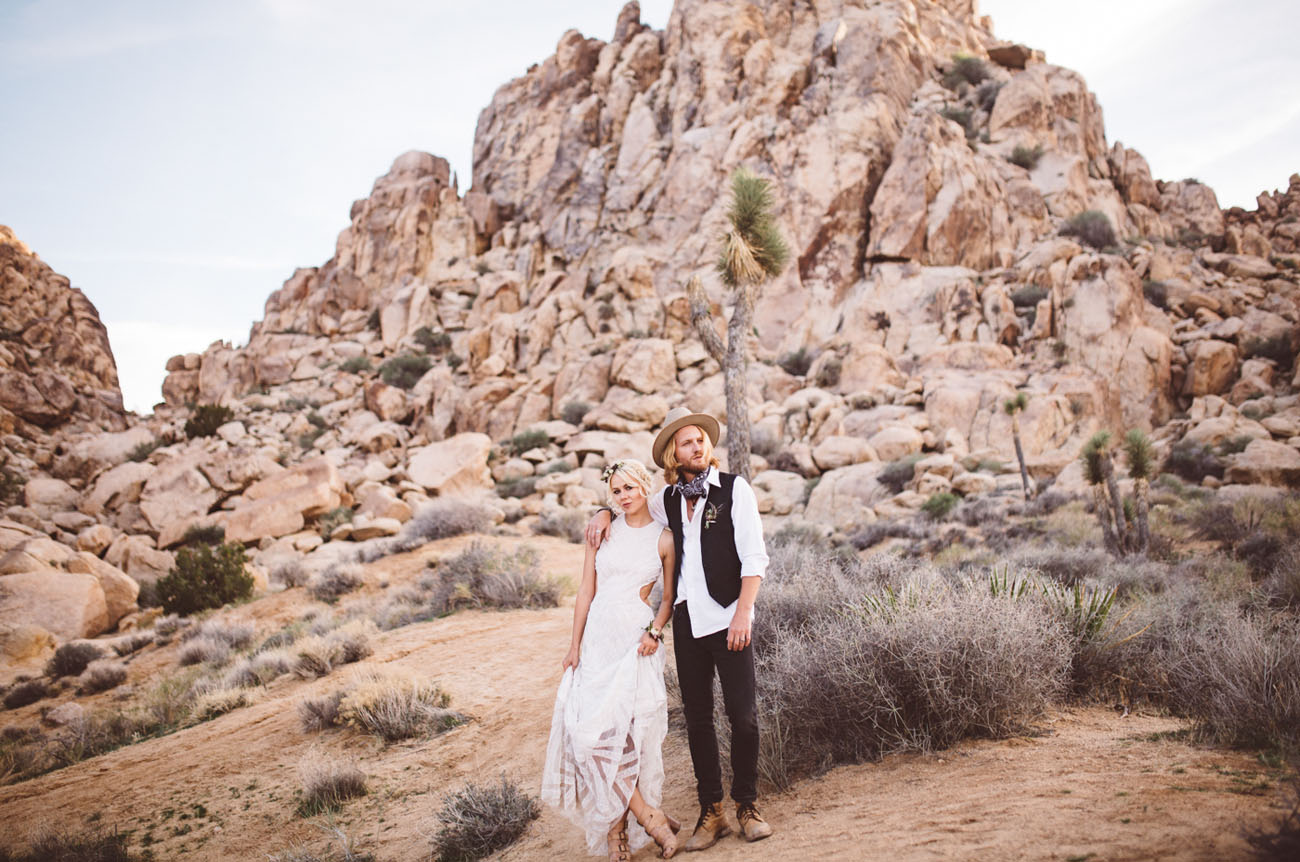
[(696, 488)]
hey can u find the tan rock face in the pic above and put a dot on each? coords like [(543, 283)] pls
[(844, 498), (1265, 462), (279, 505), (120, 590), (457, 465), (65, 604), (1212, 369), (64, 367)]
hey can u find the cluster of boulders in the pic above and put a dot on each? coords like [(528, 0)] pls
[(507, 343)]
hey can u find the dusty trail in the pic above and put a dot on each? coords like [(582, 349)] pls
[(1093, 785)]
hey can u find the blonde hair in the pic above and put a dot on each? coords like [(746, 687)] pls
[(636, 473), (671, 466)]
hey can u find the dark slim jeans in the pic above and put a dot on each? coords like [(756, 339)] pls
[(696, 660)]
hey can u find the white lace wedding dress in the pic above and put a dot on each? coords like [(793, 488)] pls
[(611, 712)]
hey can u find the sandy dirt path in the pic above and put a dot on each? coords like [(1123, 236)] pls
[(1091, 785)]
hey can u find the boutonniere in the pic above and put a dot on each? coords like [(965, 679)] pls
[(711, 514)]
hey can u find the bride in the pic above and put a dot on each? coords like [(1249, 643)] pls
[(605, 755)]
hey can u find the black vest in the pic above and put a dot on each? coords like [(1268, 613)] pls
[(717, 538)]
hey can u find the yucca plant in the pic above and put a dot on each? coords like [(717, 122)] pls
[(753, 252), (1141, 469), (1014, 407)]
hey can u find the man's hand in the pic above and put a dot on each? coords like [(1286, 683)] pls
[(740, 631), (598, 528)]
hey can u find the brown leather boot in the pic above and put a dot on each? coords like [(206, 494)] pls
[(711, 826), (752, 825)]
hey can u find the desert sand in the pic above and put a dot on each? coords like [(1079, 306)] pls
[(1087, 783)]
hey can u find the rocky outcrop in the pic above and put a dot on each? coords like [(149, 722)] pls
[(55, 361)]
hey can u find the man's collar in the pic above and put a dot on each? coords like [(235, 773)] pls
[(714, 479)]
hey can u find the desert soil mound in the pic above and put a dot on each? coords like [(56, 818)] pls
[(1089, 783)]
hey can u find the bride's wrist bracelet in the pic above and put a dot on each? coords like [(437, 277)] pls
[(657, 634)]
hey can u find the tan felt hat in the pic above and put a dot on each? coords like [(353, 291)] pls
[(678, 418)]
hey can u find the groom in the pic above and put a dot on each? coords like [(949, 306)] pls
[(721, 560)]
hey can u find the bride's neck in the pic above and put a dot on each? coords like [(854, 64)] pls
[(639, 518)]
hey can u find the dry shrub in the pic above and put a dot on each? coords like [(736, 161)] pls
[(259, 669), (71, 659), (218, 700), (204, 650), (482, 577), (320, 713), (291, 574), (565, 524), (439, 519), (101, 675), (327, 783), (317, 655), (918, 664), (1068, 566), (236, 634), (26, 693), (335, 581), (393, 706), (55, 846), (479, 820), (132, 643), (346, 852), (1239, 679)]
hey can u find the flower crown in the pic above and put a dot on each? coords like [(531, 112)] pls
[(610, 470)]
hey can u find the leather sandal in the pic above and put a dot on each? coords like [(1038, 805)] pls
[(619, 850), (659, 826)]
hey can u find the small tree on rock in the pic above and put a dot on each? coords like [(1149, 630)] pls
[(753, 252)]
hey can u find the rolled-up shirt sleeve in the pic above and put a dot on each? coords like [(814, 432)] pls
[(749, 530), (656, 506)]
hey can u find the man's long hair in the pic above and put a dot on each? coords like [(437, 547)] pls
[(672, 469)]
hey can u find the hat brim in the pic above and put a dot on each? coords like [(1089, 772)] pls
[(665, 437)]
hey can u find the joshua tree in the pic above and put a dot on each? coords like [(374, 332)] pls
[(1014, 406), (1099, 472), (1141, 467), (753, 252)]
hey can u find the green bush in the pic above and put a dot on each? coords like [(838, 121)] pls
[(1091, 227), (1194, 461), (11, 487), (898, 473), (1029, 295), (796, 362), (356, 365), (965, 69), (203, 534), (939, 506), (575, 411), (144, 450), (405, 371), (432, 342), (205, 577), (332, 520), (963, 117), (207, 419), (1026, 157), (526, 440)]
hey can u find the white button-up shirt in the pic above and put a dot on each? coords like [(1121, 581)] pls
[(707, 616)]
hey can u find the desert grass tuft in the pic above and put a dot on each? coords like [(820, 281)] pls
[(480, 820), (393, 706), (101, 675), (58, 846), (327, 783)]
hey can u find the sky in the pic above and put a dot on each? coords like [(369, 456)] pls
[(177, 160)]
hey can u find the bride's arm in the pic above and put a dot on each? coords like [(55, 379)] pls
[(668, 556), (586, 592)]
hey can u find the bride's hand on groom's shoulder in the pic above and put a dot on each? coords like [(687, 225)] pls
[(571, 659), (598, 528)]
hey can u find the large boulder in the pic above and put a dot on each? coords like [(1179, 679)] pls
[(644, 364), (120, 589), (457, 465), (120, 485), (66, 604), (844, 498), (280, 504), (1265, 462), (176, 490), (1212, 369)]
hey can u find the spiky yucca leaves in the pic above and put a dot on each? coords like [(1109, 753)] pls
[(753, 250), (1141, 467), (1013, 407)]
